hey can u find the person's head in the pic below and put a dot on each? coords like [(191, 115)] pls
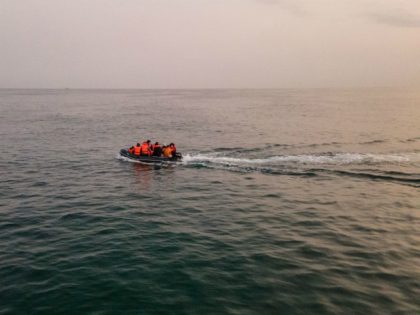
[(172, 145), (138, 144), (148, 141), (156, 143), (164, 147)]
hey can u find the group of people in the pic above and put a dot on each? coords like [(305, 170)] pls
[(149, 149)]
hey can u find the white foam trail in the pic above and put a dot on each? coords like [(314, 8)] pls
[(123, 158), (338, 158)]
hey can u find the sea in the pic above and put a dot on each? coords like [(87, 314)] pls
[(287, 201)]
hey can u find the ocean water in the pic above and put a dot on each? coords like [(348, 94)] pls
[(286, 202)]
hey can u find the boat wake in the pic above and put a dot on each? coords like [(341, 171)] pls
[(306, 159), (392, 167), (364, 166)]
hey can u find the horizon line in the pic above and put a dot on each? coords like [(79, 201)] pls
[(212, 88)]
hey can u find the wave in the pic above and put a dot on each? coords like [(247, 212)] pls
[(374, 141), (413, 179), (415, 139), (308, 159)]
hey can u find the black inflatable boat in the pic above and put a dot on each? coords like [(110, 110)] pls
[(150, 159)]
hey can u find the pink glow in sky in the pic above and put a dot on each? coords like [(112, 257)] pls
[(209, 43)]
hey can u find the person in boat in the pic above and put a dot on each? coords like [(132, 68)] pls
[(167, 151), (145, 149), (173, 149), (137, 149), (131, 150), (157, 149)]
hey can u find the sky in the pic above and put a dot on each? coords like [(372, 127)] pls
[(209, 43)]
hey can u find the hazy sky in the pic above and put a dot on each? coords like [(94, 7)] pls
[(209, 43)]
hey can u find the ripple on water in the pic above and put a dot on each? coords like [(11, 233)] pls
[(319, 219)]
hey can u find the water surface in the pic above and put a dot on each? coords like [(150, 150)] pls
[(287, 202)]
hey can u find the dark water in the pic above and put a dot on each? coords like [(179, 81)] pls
[(287, 202)]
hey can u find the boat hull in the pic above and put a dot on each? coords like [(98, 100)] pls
[(150, 159)]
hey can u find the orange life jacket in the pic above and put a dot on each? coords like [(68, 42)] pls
[(167, 152), (131, 150), (145, 149), (137, 150)]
